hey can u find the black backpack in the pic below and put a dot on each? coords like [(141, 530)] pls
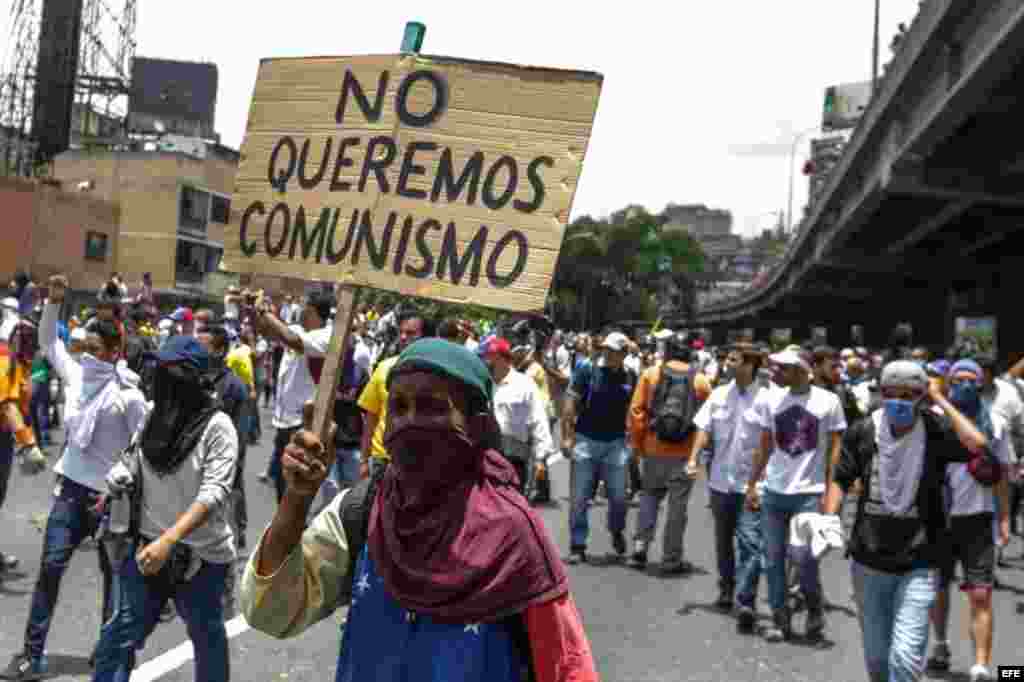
[(674, 405)]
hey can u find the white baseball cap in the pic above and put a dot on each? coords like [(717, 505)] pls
[(616, 341), (791, 358)]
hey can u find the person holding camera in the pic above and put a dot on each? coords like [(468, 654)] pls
[(184, 544)]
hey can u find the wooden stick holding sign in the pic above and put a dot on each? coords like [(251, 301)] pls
[(430, 176), (327, 390)]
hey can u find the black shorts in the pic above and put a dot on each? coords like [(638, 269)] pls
[(969, 540)]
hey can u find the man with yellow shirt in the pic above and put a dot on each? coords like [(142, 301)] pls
[(239, 361), (664, 448), (373, 401)]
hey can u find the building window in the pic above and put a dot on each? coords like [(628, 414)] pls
[(194, 210), (220, 209), (95, 246), (194, 261), (191, 264)]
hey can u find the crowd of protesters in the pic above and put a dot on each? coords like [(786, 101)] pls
[(444, 431)]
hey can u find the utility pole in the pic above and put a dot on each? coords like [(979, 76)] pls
[(874, 51)]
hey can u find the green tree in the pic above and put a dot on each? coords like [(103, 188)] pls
[(609, 269)]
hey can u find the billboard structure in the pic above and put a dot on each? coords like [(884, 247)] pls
[(63, 78), (56, 68), (844, 105), (173, 97)]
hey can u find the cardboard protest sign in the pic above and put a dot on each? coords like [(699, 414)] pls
[(430, 176)]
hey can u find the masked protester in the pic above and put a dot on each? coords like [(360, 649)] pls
[(973, 508), (185, 546), (456, 565), (901, 454), (104, 408)]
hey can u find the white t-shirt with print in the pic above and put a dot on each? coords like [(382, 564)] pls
[(964, 495), (295, 384), (801, 428)]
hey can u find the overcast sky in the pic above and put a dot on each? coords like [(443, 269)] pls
[(701, 100)]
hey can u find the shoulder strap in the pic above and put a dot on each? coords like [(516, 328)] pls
[(592, 382), (865, 440), (354, 511)]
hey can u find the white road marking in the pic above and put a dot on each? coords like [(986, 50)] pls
[(173, 659)]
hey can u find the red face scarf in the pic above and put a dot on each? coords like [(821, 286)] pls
[(453, 538)]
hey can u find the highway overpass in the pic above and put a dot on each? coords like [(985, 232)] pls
[(920, 219)]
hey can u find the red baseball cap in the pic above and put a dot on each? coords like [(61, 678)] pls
[(498, 346), (182, 315)]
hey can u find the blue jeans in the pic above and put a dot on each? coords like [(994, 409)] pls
[(6, 462), (776, 513), (281, 440), (71, 520), (738, 545), (136, 610), (39, 409), (596, 460), (344, 474), (893, 610)]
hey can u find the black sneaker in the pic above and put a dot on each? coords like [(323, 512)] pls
[(676, 568), (577, 555), (619, 543), (779, 630), (814, 627), (8, 562), (638, 559), (23, 667), (940, 657), (745, 620), (725, 598)]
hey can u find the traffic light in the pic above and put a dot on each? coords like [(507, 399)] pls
[(830, 100)]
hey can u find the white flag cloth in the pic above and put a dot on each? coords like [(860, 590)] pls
[(822, 532)]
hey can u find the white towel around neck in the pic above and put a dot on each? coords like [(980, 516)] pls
[(900, 463)]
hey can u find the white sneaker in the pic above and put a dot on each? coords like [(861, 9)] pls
[(980, 673)]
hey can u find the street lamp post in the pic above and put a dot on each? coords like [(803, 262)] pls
[(874, 51), (792, 157)]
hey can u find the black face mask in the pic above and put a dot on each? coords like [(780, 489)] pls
[(183, 405)]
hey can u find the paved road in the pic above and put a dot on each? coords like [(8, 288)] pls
[(642, 628)]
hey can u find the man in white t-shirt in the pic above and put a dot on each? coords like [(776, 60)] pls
[(801, 433), (305, 347), (722, 422)]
